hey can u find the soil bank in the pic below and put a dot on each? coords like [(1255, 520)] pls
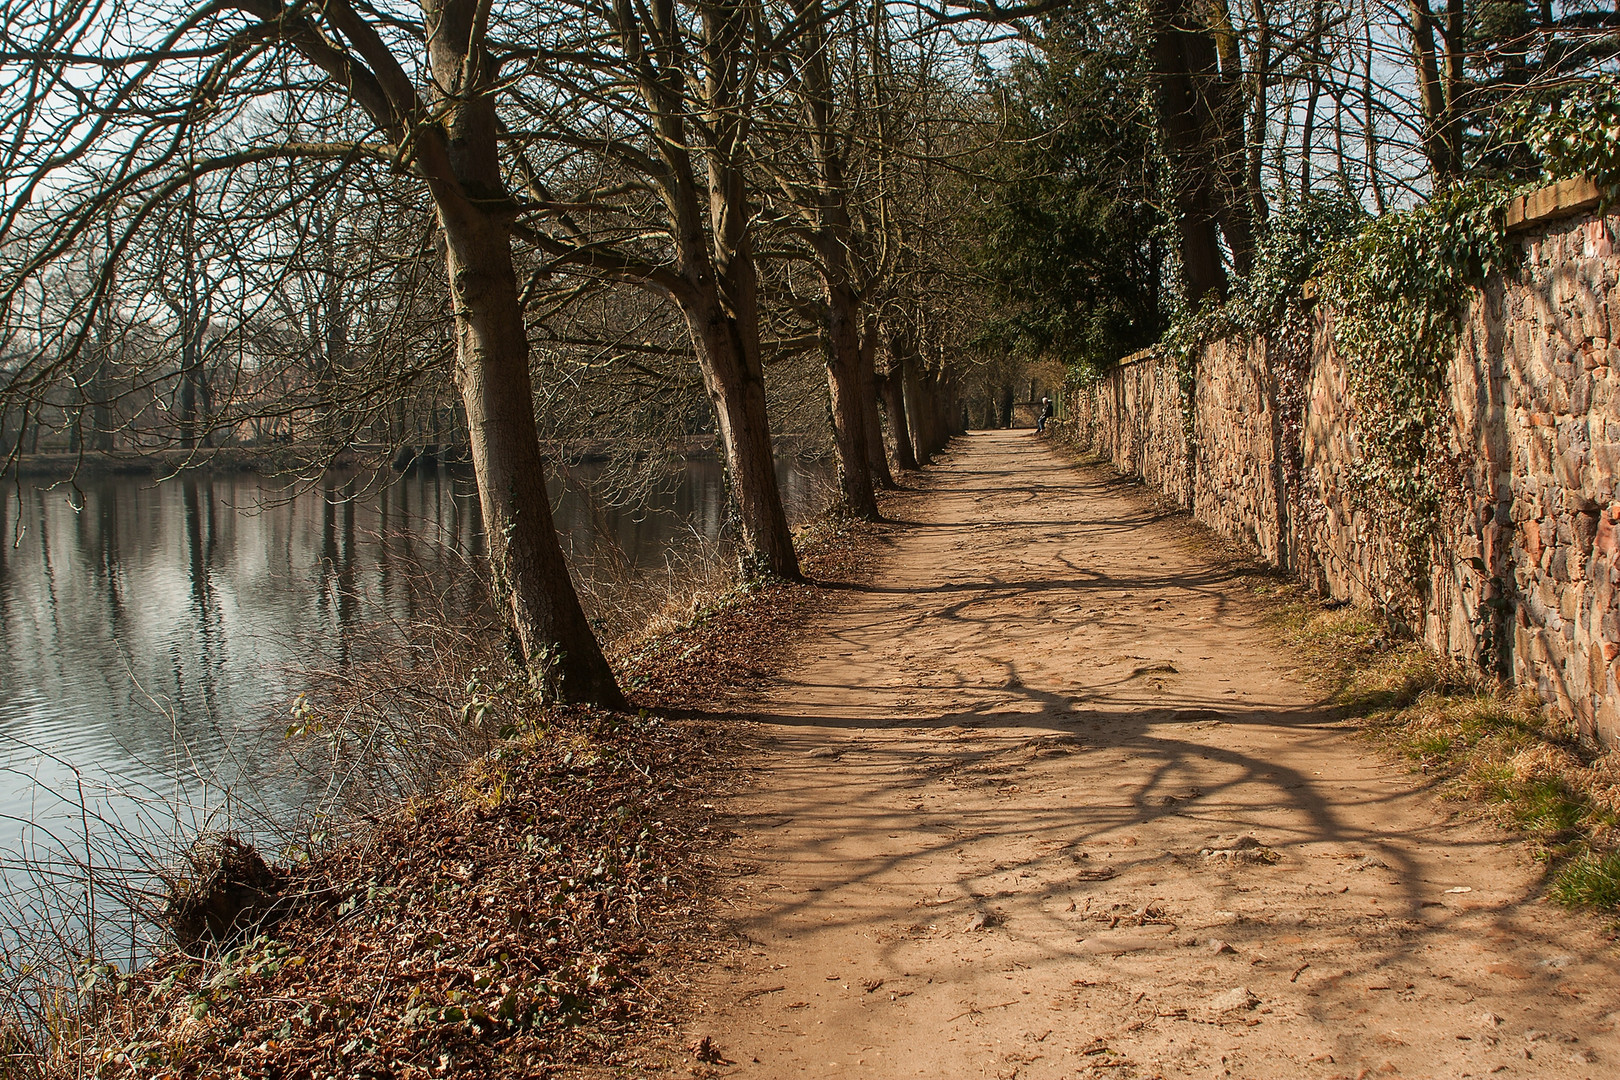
[(1046, 799)]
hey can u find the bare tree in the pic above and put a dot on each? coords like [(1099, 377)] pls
[(822, 197), (633, 158), (118, 108)]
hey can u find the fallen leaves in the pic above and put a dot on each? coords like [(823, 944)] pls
[(461, 935), (519, 917)]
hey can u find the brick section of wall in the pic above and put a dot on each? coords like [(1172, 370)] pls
[(1534, 459)]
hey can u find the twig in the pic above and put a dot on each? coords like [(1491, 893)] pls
[(974, 1010), (762, 992)]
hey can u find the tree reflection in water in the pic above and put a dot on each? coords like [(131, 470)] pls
[(150, 638)]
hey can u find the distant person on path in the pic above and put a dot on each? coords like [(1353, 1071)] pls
[(1045, 415)]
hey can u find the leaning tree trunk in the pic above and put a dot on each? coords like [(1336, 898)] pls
[(459, 154), (845, 389), (737, 391), (492, 373)]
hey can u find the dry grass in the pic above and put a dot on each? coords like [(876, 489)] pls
[(1491, 749), (628, 604), (706, 647)]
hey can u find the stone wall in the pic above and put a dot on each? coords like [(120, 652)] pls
[(1534, 461), (1134, 415), (1236, 490)]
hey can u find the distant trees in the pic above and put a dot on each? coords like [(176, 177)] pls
[(1230, 113), (1072, 219)]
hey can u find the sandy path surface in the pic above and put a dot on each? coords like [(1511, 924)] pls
[(997, 825)]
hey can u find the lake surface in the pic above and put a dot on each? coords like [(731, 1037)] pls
[(150, 632)]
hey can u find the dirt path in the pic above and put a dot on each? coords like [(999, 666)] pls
[(998, 824)]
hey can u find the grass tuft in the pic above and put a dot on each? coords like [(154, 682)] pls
[(1591, 880)]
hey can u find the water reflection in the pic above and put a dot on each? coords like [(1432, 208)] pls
[(147, 637)]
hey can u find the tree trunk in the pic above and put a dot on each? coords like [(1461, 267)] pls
[(876, 453), (1181, 57), (97, 391), (942, 416), (916, 411), (893, 388), (940, 398), (848, 414), (833, 240), (1237, 201), (101, 418), (191, 423), (925, 416), (1313, 82), (737, 390), (1369, 128), (1437, 122), (1455, 80), (459, 155), (492, 373), (715, 280), (1259, 115), (954, 408)]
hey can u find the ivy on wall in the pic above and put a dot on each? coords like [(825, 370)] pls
[(1400, 287), (1400, 291), (1579, 136), (1287, 256), (1270, 301)]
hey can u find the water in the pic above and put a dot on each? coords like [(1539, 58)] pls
[(150, 633)]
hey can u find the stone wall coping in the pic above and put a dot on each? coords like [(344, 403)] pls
[(1563, 199)]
